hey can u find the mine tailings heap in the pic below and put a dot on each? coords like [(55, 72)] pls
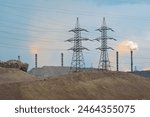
[(14, 64)]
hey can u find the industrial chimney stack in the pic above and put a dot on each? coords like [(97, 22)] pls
[(131, 61), (62, 59), (117, 61), (18, 58), (35, 60)]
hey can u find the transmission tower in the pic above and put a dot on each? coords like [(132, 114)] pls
[(77, 62), (104, 63)]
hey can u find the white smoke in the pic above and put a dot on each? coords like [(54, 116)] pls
[(127, 45), (132, 45)]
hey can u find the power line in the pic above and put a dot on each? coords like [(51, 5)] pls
[(25, 40), (50, 8), (27, 48), (13, 21), (26, 24), (27, 36), (65, 11), (33, 30), (43, 10)]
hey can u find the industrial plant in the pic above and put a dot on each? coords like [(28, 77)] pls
[(78, 62), (75, 81)]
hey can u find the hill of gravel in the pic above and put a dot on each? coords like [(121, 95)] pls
[(47, 71), (81, 85)]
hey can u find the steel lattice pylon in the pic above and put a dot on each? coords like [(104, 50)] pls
[(77, 62), (104, 63)]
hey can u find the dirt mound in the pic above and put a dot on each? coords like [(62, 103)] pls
[(84, 85), (9, 75), (14, 64)]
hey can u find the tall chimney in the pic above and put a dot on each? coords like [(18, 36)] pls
[(62, 59), (18, 58), (35, 60), (117, 61), (131, 61)]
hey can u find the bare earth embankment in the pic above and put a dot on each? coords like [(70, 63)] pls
[(15, 84)]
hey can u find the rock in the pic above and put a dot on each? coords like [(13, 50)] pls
[(14, 64)]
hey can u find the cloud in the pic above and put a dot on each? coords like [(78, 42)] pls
[(125, 46)]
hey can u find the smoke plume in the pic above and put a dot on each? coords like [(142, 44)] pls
[(125, 46)]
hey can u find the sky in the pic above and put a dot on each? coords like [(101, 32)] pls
[(41, 26)]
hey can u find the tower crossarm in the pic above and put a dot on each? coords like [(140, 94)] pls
[(78, 29), (78, 48), (105, 48), (101, 38), (104, 28), (111, 38), (81, 39), (97, 39), (85, 39), (70, 40)]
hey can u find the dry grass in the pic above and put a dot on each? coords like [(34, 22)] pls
[(83, 85)]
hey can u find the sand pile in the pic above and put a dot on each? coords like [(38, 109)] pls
[(9, 75), (84, 85)]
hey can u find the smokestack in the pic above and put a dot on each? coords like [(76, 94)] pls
[(117, 61), (131, 61), (18, 58), (35, 60), (62, 59)]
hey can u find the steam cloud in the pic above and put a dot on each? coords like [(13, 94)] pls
[(126, 46)]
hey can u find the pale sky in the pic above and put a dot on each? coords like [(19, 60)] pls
[(41, 26)]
